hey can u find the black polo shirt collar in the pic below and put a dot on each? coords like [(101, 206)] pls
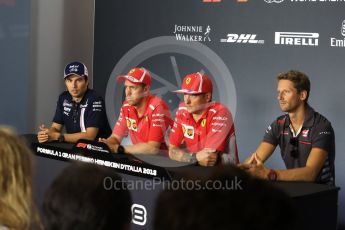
[(308, 119)]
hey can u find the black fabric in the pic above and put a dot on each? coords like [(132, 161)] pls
[(316, 132), (90, 112)]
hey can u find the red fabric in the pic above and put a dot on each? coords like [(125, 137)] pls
[(151, 126), (213, 130)]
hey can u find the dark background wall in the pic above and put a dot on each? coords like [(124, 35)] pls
[(37, 39), (133, 32)]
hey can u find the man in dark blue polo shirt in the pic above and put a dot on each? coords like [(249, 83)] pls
[(305, 137), (80, 109)]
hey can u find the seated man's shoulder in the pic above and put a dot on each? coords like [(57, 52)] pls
[(65, 99), (156, 101), (125, 104), (281, 119), (320, 119), (182, 108), (218, 108), (65, 94), (181, 111), (93, 95)]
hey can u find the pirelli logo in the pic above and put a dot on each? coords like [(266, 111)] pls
[(296, 38)]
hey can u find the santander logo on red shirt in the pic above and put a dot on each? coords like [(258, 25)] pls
[(132, 124), (188, 131)]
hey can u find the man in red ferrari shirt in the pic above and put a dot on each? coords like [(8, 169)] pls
[(206, 127), (143, 116)]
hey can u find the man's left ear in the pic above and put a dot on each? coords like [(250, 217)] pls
[(87, 81), (303, 95), (146, 88), (208, 97)]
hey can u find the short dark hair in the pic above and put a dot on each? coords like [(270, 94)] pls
[(78, 199), (299, 79), (236, 209)]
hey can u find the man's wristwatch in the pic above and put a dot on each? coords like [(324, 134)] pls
[(120, 149), (272, 175), (61, 138)]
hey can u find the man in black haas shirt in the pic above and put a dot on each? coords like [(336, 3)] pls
[(305, 137), (80, 109)]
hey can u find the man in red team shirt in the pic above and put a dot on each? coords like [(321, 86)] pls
[(143, 116), (206, 127)]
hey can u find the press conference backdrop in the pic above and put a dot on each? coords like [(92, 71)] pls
[(242, 45)]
